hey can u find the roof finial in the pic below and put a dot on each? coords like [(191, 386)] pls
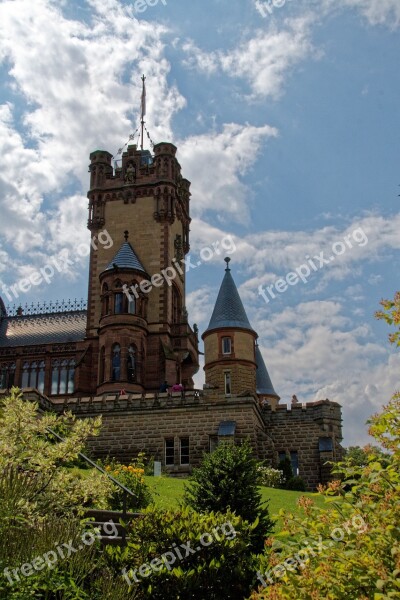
[(227, 260), (126, 235)]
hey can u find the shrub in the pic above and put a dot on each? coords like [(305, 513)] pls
[(286, 467), (356, 544), (295, 483), (25, 443), (270, 477), (219, 564), (132, 477), (228, 479)]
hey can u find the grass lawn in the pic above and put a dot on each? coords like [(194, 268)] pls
[(168, 491)]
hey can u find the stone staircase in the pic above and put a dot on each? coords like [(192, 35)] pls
[(109, 522)]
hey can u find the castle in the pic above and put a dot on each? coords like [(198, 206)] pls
[(111, 357)]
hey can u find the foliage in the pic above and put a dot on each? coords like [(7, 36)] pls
[(359, 456), (295, 483), (358, 540), (25, 443), (80, 574), (270, 477), (132, 477), (391, 314), (228, 479), (285, 466), (224, 568)]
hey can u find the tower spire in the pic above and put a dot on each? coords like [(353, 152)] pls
[(143, 111)]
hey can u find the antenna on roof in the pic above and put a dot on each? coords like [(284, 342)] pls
[(227, 260), (126, 235), (143, 111)]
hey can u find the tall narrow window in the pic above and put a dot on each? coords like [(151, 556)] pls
[(55, 376), (184, 451), (116, 363), (7, 376), (119, 303), (226, 345), (131, 363), (294, 459), (71, 377), (227, 375), (40, 377), (176, 305), (25, 375), (131, 305), (281, 455), (62, 387), (102, 369), (106, 300), (170, 451)]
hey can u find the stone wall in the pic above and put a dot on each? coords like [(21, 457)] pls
[(299, 428)]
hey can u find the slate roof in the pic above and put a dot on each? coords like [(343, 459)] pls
[(32, 330), (126, 258), (263, 380), (229, 310)]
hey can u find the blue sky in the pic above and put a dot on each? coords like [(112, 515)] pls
[(287, 125)]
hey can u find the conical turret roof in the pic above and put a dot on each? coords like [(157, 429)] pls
[(229, 310), (263, 380), (125, 258)]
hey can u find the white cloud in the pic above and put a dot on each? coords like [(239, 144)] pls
[(223, 159), (264, 60)]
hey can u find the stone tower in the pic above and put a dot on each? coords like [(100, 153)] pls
[(229, 343), (137, 320)]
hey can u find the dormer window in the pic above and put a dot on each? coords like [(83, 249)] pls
[(226, 345)]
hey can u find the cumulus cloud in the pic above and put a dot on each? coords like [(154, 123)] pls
[(264, 60)]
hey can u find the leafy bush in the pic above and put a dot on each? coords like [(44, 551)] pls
[(356, 544), (287, 471), (25, 443), (295, 483), (270, 477), (228, 479), (218, 565), (132, 477)]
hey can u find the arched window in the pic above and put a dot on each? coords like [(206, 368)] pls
[(118, 299), (131, 305), (102, 369), (131, 363), (176, 305), (116, 363), (25, 375), (7, 376), (63, 377), (105, 300), (40, 377)]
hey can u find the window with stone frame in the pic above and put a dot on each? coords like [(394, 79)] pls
[(131, 363), (63, 376), (7, 375), (184, 450), (33, 375), (105, 300), (294, 459), (227, 383), (176, 305), (116, 363), (169, 451), (226, 345), (102, 365)]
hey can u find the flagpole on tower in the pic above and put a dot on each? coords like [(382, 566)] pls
[(143, 110)]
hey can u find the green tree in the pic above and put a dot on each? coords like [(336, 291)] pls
[(352, 548), (229, 479)]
